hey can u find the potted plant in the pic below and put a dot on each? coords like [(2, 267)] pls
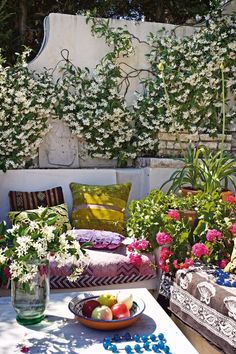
[(181, 243), (24, 254)]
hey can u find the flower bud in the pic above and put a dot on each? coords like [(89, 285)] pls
[(222, 66), (161, 66)]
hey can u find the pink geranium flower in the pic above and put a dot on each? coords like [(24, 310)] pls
[(223, 263), (231, 199), (233, 229), (163, 266), (199, 250), (174, 214), (213, 234), (135, 259), (163, 238), (165, 253)]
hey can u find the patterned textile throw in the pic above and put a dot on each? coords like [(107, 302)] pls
[(20, 201), (106, 267), (99, 239), (205, 306), (99, 207)]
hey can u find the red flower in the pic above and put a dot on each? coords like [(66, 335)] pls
[(163, 238), (213, 235), (199, 250), (174, 214), (135, 258), (223, 263), (24, 349)]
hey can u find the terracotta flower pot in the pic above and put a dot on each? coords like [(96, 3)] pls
[(191, 215), (225, 195), (185, 191)]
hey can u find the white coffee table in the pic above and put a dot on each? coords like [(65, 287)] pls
[(61, 333)]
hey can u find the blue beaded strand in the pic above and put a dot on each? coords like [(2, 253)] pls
[(155, 343), (223, 278)]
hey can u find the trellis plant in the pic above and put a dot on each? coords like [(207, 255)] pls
[(92, 102)]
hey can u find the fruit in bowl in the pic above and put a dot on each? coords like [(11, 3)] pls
[(120, 311), (126, 298), (104, 318), (102, 313), (107, 299), (89, 306)]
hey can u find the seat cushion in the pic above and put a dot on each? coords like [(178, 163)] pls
[(31, 200), (99, 207), (205, 306), (106, 267), (62, 223)]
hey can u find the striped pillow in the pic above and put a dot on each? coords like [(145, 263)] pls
[(32, 200), (99, 207)]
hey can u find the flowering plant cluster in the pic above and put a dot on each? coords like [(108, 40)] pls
[(92, 102), (25, 105), (37, 240), (163, 221)]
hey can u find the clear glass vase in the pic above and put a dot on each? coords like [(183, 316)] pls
[(30, 299)]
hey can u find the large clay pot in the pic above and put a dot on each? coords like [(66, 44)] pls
[(185, 191)]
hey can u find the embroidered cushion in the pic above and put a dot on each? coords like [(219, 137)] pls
[(99, 238), (32, 200), (99, 207), (62, 223)]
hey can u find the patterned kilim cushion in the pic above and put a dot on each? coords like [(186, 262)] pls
[(106, 267), (99, 207), (31, 200), (62, 223), (100, 239)]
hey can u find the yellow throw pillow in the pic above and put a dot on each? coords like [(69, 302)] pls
[(62, 223), (99, 207)]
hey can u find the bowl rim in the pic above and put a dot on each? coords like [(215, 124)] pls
[(137, 300)]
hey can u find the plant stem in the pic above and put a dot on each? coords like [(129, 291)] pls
[(223, 108), (171, 112)]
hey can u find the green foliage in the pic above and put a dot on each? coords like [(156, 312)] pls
[(150, 215)]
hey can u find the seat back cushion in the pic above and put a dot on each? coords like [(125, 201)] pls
[(62, 223), (99, 207), (31, 200)]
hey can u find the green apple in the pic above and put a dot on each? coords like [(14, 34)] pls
[(107, 299), (102, 313)]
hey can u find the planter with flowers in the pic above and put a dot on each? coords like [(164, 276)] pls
[(24, 257), (160, 219)]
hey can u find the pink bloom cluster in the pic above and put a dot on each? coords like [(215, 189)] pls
[(163, 262), (223, 263), (174, 214), (139, 245), (163, 238), (199, 250), (233, 229), (135, 248), (213, 235), (231, 199), (135, 259), (186, 264)]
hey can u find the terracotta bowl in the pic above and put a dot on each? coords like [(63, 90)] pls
[(75, 306)]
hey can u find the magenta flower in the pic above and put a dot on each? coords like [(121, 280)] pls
[(174, 214), (233, 229), (163, 266), (163, 238), (188, 262), (213, 234), (199, 250), (135, 259), (24, 349), (165, 253), (130, 247), (223, 263), (231, 199)]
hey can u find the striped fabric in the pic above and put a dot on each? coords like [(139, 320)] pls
[(99, 207), (20, 201)]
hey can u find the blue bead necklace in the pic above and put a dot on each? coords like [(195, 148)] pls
[(225, 279), (155, 343)]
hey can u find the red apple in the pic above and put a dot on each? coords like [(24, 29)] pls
[(120, 311), (89, 306)]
